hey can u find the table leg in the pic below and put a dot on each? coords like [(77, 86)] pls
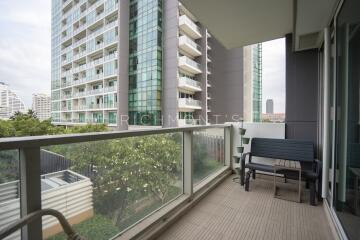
[(274, 182), (356, 186), (300, 186)]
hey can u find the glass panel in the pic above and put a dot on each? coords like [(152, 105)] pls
[(208, 152), (347, 191), (9, 190), (104, 187)]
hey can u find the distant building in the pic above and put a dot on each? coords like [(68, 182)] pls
[(270, 106), (171, 62), (253, 83), (41, 106), (9, 102), (273, 117)]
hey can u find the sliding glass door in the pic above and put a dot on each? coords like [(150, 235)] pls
[(347, 142)]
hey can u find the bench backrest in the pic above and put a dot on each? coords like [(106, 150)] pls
[(288, 149)]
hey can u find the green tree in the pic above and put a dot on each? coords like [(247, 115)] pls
[(6, 129), (127, 170)]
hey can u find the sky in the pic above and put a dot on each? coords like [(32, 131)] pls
[(25, 46), (273, 81), (25, 53)]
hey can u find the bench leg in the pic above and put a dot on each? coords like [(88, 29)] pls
[(253, 174), (242, 173), (312, 193), (247, 180)]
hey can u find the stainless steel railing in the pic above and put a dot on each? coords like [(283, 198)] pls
[(69, 231)]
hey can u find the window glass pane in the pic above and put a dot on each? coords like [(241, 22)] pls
[(208, 152), (104, 187), (347, 190), (9, 189)]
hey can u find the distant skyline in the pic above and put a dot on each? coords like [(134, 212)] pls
[(25, 53)]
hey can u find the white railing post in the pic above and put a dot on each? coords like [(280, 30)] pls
[(30, 190), (188, 163), (227, 147), (326, 155)]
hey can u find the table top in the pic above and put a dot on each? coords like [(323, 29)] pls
[(288, 164), (355, 171)]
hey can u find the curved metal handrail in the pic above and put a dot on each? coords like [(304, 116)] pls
[(68, 229)]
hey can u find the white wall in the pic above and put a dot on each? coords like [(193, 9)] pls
[(261, 130)]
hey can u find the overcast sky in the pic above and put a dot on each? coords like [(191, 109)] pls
[(274, 74), (25, 53), (25, 46)]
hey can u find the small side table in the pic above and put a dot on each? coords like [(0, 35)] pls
[(356, 172), (281, 164)]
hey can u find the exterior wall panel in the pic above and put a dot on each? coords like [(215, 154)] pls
[(301, 93)]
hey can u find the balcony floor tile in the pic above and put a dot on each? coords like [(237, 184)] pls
[(229, 212)]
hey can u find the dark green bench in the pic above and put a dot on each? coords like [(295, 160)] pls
[(288, 149)]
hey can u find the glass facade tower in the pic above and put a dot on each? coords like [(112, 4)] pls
[(145, 62), (257, 81)]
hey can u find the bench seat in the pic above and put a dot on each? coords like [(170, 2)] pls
[(294, 150)]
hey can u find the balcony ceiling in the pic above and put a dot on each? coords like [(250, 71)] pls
[(237, 23)]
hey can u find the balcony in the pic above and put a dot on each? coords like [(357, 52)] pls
[(189, 84), (189, 103), (189, 27), (187, 122), (110, 89), (188, 45), (195, 162), (230, 213), (189, 65)]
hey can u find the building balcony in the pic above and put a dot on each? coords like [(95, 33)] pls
[(66, 3), (187, 122), (80, 107), (110, 89), (95, 106), (110, 106), (188, 45), (189, 84), (197, 164), (189, 103), (66, 96), (189, 65), (189, 27)]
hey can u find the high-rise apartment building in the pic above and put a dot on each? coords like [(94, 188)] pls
[(253, 83), (41, 106), (136, 62), (10, 103), (269, 106)]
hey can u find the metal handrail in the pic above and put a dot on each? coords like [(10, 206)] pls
[(68, 229), (48, 140)]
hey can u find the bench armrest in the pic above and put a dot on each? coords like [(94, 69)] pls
[(242, 166), (243, 158)]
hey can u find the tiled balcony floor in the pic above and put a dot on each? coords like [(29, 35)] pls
[(229, 212)]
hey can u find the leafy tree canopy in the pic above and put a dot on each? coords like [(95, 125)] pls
[(27, 124)]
